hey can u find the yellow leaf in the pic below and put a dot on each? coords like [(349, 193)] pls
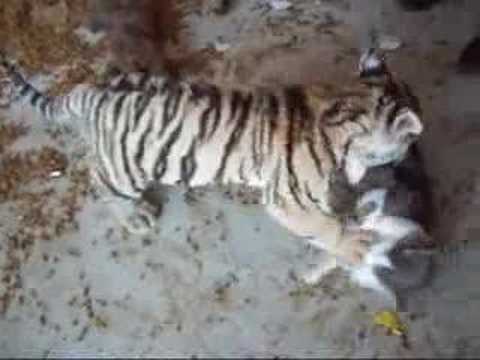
[(391, 321)]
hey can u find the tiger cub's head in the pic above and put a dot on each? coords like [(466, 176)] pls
[(391, 120)]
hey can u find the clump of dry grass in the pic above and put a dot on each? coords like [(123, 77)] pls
[(9, 133), (17, 169), (40, 35), (40, 32)]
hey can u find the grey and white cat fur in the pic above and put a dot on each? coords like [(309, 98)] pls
[(392, 201)]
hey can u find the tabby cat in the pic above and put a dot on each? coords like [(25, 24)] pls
[(394, 201), (286, 142)]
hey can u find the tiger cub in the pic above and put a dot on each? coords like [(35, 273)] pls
[(285, 142)]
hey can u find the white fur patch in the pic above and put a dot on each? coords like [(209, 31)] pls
[(354, 170), (391, 230)]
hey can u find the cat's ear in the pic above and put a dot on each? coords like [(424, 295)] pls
[(407, 124), (372, 63)]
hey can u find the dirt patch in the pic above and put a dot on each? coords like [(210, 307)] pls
[(41, 212)]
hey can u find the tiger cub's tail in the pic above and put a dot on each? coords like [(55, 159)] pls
[(14, 88)]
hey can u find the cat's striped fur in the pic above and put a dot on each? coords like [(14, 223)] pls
[(285, 141)]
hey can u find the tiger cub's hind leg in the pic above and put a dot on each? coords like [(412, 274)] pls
[(138, 215), (324, 231)]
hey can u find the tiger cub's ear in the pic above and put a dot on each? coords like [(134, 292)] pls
[(372, 63), (406, 124)]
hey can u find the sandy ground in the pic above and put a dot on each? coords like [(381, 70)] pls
[(217, 276)]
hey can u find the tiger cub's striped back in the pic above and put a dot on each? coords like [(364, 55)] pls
[(286, 141)]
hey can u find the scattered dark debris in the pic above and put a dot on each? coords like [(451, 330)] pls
[(222, 289), (101, 302), (211, 319), (406, 342), (361, 334), (220, 216), (179, 327), (417, 316), (43, 320), (194, 244), (292, 276), (88, 305), (154, 266), (146, 242), (223, 237), (34, 293), (302, 292), (221, 294), (72, 301), (243, 194), (83, 333), (75, 252), (51, 273)]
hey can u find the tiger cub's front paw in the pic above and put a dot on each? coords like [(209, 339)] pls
[(139, 223), (355, 245)]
